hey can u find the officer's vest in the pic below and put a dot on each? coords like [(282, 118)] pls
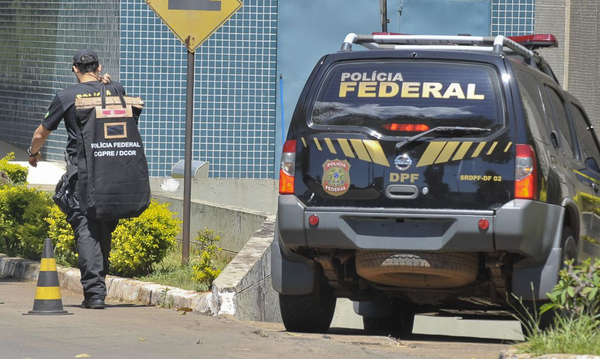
[(111, 164)]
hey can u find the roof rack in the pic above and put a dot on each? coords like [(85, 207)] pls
[(498, 44)]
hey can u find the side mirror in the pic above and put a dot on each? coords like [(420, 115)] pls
[(592, 165)]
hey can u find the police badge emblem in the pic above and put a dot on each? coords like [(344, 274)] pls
[(336, 177)]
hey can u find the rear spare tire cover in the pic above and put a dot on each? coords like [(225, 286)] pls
[(418, 269)]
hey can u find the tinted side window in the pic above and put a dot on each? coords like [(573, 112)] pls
[(562, 119), (533, 106), (589, 147)]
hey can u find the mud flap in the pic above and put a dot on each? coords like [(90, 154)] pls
[(378, 308), (291, 274), (531, 283)]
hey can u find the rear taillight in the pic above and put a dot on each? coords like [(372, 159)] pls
[(525, 173), (287, 168)]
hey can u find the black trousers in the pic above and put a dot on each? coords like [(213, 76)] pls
[(93, 240)]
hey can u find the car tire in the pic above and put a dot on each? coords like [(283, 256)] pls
[(308, 313), (568, 245), (418, 269)]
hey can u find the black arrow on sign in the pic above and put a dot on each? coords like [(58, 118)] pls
[(204, 5)]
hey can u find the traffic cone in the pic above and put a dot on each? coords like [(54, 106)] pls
[(47, 296)]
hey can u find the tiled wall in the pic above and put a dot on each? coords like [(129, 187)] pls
[(235, 83), (234, 114), (38, 40), (513, 17)]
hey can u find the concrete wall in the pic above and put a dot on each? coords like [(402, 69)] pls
[(584, 51), (244, 288), (234, 225), (257, 195), (576, 24)]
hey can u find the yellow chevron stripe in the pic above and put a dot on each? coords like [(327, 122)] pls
[(588, 177), (48, 265), (478, 149), (376, 152), (491, 150), (360, 150), (330, 146), (318, 144), (462, 151), (431, 153), (370, 150), (346, 147), (447, 152), (47, 293)]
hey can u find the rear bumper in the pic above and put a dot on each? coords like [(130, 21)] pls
[(530, 228), (526, 227)]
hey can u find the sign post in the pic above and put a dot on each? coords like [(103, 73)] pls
[(193, 22), (187, 174)]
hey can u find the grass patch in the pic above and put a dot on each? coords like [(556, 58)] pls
[(568, 336), (574, 308), (172, 273)]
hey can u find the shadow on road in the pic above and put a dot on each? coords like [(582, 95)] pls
[(416, 337), (112, 306)]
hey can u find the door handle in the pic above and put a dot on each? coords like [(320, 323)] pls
[(554, 139)]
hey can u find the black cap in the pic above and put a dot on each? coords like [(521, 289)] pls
[(85, 57)]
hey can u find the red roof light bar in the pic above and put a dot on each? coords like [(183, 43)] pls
[(536, 40)]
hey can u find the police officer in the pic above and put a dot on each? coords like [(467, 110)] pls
[(93, 237)]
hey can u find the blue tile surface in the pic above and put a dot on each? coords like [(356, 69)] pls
[(234, 97)]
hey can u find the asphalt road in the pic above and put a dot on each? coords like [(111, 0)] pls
[(126, 330)]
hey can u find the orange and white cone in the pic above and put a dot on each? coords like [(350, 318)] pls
[(47, 296)]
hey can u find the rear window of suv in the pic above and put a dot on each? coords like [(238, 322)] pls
[(396, 97)]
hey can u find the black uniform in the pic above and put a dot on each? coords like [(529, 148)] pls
[(93, 237)]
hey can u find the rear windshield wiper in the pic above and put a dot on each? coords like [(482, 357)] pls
[(443, 130)]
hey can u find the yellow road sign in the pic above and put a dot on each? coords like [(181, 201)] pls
[(194, 21)]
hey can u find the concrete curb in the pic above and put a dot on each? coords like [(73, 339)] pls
[(244, 287), (119, 289)]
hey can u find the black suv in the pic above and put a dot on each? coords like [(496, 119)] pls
[(431, 172)]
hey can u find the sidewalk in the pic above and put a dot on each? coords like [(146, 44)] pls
[(119, 289)]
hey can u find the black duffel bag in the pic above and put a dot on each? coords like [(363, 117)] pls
[(112, 168)]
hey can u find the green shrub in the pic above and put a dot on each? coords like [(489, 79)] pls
[(137, 243), (65, 249), (140, 242), (22, 225), (206, 271), (577, 291), (17, 174)]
